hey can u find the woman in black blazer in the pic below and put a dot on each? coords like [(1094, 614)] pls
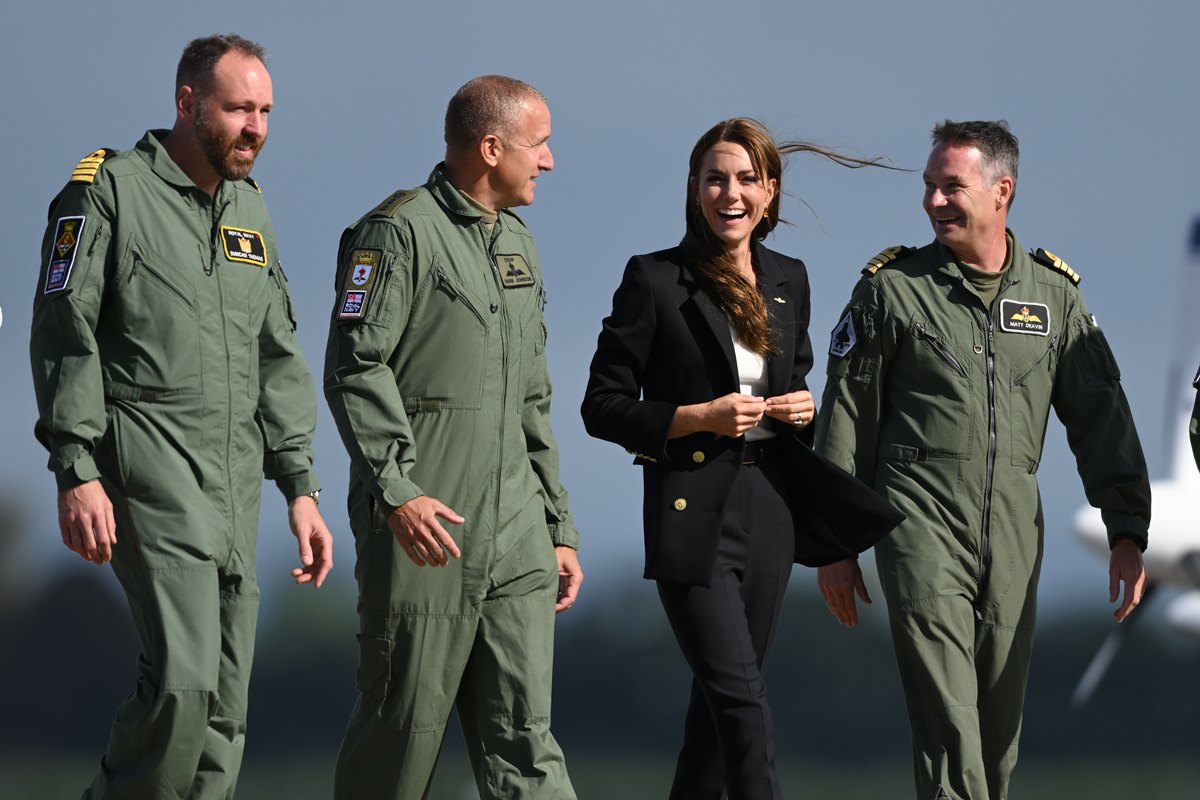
[(700, 373)]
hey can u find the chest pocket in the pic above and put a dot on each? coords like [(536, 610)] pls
[(444, 367), (929, 414), (1032, 382), (155, 324)]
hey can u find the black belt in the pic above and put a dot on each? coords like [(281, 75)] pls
[(760, 451)]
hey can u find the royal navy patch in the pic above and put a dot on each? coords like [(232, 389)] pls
[(1048, 259), (85, 171), (245, 246), (62, 253), (843, 338), (1020, 317), (360, 282), (354, 304), (514, 271), (885, 257)]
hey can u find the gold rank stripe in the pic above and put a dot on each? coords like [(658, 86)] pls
[(88, 166), (884, 258), (1054, 262)]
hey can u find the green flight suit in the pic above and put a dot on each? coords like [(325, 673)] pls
[(436, 375), (165, 364), (941, 404)]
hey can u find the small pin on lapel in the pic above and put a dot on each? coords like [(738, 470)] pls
[(779, 300)]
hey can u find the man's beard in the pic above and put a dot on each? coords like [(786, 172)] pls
[(218, 147)]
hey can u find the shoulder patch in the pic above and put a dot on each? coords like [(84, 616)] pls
[(253, 183), (360, 279), (1048, 259), (394, 201), (89, 165), (885, 257), (67, 232), (843, 337)]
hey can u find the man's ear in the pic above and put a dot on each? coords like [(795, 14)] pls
[(1004, 191), (185, 103), (489, 149)]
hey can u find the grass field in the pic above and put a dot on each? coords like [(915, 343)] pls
[(640, 777)]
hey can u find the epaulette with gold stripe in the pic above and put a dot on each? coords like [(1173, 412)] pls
[(394, 201), (886, 257), (1048, 259), (89, 165), (253, 183)]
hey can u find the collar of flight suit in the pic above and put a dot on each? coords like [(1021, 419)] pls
[(151, 150), (451, 197), (1018, 262)]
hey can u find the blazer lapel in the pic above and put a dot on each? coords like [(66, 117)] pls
[(717, 323), (782, 312)]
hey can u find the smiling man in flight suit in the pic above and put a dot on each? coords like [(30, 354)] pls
[(942, 372), (169, 381), (436, 375)]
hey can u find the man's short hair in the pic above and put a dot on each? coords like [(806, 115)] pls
[(201, 55), (489, 104), (994, 141)]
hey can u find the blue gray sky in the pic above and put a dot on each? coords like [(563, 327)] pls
[(1103, 100)]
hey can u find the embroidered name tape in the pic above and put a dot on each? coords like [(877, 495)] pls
[(1020, 317), (514, 271), (245, 246)]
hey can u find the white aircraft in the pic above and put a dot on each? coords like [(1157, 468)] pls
[(1173, 557)]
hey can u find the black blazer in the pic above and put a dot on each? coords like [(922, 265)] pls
[(666, 344)]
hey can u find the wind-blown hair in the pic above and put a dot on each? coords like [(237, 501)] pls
[(715, 269)]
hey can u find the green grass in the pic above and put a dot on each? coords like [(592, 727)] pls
[(646, 777)]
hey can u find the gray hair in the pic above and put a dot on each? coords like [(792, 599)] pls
[(994, 141)]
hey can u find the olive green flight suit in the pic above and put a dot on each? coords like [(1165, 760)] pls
[(436, 375), (941, 404), (165, 365)]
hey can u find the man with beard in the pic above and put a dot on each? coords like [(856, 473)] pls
[(169, 381)]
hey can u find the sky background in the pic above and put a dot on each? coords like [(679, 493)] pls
[(1103, 102)]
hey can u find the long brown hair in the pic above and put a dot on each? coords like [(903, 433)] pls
[(716, 270)]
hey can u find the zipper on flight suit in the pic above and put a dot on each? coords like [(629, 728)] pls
[(212, 269), (490, 248), (989, 478), (446, 286), (939, 347)]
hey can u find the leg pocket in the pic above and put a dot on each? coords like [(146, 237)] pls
[(374, 670)]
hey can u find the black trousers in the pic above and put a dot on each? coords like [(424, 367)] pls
[(725, 632)]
